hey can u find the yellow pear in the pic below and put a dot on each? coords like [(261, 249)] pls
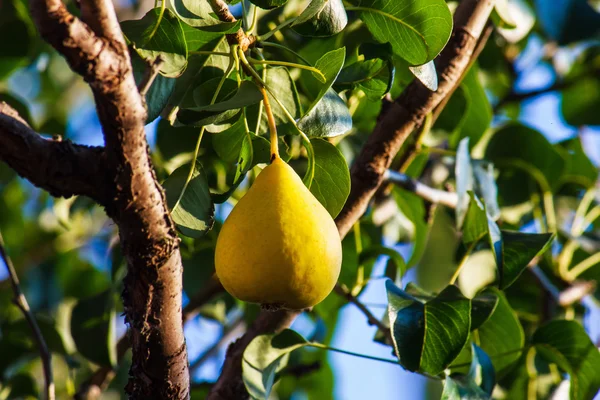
[(279, 246)]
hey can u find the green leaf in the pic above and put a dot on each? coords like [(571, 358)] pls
[(580, 168), (158, 96), (264, 357), (518, 250), (172, 141), (580, 101), (22, 386), (197, 115), (331, 182), (196, 74), (93, 328), (520, 153), (193, 212), (478, 115), (372, 76), (247, 94), (228, 143), (321, 18), (198, 37), (459, 389), (567, 344), (330, 65), (48, 328), (194, 13), (15, 53), (283, 87), (502, 336), (417, 30), (268, 4), (428, 337), (330, 117), (482, 307), (168, 41), (482, 370)]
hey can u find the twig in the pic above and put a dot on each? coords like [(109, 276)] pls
[(430, 194), (240, 37), (150, 75), (371, 319), (21, 302), (228, 332)]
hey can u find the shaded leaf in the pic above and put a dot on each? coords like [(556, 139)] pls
[(567, 344), (502, 336), (331, 182), (93, 328), (159, 93), (428, 337), (193, 212), (518, 250), (264, 357), (167, 41)]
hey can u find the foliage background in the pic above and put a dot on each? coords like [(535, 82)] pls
[(63, 249)]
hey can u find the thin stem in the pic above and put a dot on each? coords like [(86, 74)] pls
[(21, 302), (577, 226), (276, 29), (289, 64), (583, 266), (463, 262), (201, 134), (272, 125), (159, 19), (260, 105), (225, 336), (282, 47), (350, 353), (371, 319), (360, 274), (209, 53)]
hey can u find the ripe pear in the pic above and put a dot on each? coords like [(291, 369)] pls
[(279, 246)]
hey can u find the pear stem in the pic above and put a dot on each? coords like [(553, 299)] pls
[(272, 126)]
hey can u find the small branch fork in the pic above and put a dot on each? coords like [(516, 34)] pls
[(21, 302)]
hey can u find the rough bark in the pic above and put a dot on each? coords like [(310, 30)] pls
[(121, 178), (60, 167), (394, 125)]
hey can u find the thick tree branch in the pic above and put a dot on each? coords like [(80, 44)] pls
[(393, 127), (153, 286), (21, 303), (408, 111), (92, 388), (62, 168)]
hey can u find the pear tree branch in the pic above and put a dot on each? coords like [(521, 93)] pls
[(21, 302)]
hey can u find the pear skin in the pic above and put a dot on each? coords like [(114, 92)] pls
[(279, 246)]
